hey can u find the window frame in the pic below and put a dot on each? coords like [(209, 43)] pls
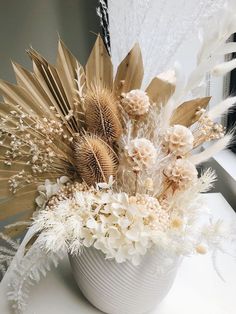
[(231, 116)]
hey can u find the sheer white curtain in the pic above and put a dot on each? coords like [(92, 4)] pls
[(160, 27)]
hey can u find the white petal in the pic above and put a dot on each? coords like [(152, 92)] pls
[(91, 223), (133, 234), (114, 233), (136, 259)]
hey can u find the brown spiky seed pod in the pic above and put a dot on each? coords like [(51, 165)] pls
[(101, 114), (94, 159)]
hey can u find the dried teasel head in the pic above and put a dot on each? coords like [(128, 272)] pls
[(101, 114), (94, 159)]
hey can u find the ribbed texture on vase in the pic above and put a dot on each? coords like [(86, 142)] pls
[(122, 288)]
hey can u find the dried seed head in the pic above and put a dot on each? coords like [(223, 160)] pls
[(101, 114), (94, 159)]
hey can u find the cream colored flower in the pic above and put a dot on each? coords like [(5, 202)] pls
[(125, 227), (87, 236), (178, 140), (182, 173), (136, 102), (141, 152)]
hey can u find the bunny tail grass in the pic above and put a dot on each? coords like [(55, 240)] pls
[(221, 108), (224, 68), (211, 150)]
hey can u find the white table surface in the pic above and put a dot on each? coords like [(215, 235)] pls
[(197, 288)]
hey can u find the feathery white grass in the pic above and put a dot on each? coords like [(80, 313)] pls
[(206, 181), (175, 99), (213, 39), (212, 150), (221, 108), (227, 48), (223, 68)]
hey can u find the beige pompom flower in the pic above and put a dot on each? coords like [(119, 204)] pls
[(178, 140), (136, 102), (141, 152), (182, 173)]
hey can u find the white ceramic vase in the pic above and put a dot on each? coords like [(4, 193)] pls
[(122, 288)]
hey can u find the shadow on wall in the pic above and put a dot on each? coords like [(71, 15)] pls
[(78, 33), (225, 184), (38, 23)]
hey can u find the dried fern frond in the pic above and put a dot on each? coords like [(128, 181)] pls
[(94, 159), (33, 266), (8, 249), (101, 114)]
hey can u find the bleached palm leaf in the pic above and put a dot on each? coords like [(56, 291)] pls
[(46, 97), (160, 91), (185, 114), (99, 70), (130, 72)]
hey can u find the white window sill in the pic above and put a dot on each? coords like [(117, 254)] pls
[(227, 160)]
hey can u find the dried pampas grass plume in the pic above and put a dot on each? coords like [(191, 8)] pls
[(94, 159), (212, 150), (101, 115)]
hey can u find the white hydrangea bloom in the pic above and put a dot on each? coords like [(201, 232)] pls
[(122, 227), (125, 227)]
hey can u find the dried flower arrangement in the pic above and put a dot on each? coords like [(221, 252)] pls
[(109, 165)]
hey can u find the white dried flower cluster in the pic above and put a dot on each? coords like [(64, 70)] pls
[(20, 179), (32, 141), (141, 152), (207, 129), (124, 227), (121, 226), (178, 140), (182, 173), (136, 102)]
